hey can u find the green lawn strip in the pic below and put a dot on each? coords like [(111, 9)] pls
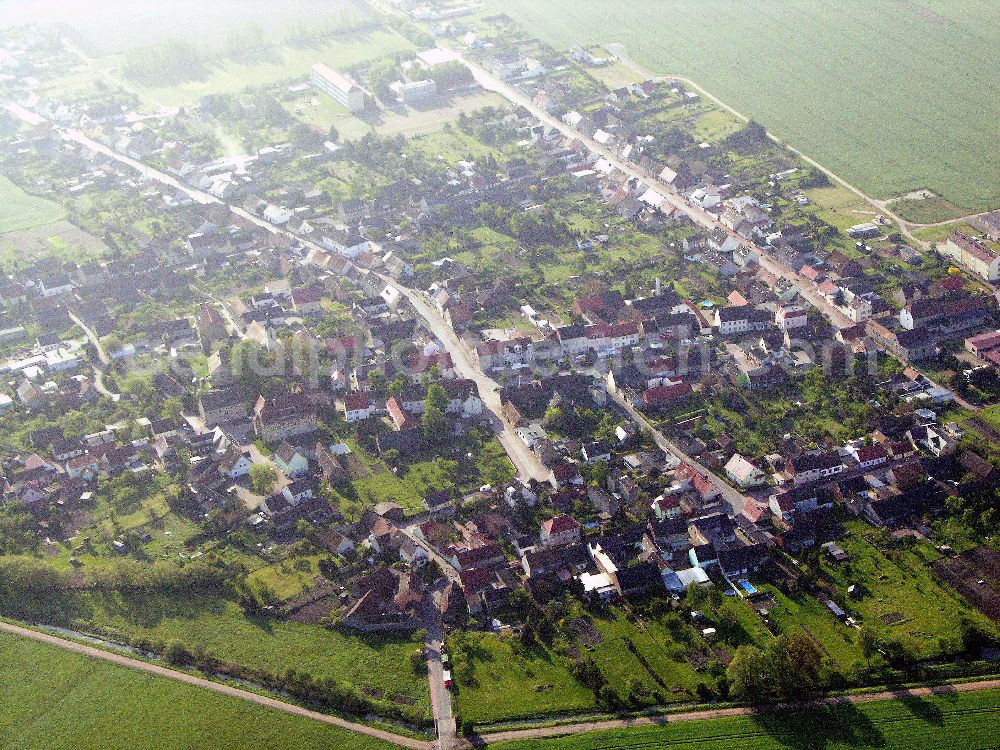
[(55, 699), (379, 662), (943, 722)]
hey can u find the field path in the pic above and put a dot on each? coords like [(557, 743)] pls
[(906, 227), (721, 713), (216, 687)]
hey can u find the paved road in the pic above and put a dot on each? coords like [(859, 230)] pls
[(525, 461), (447, 568), (720, 713), (733, 497), (216, 687), (98, 346), (444, 717)]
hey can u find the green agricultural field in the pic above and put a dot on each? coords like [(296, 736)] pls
[(23, 211), (889, 94), (380, 663), (945, 722), (58, 700)]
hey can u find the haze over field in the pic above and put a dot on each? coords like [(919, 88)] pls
[(116, 25)]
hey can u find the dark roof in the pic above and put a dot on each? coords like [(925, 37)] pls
[(218, 399), (637, 577), (816, 461)]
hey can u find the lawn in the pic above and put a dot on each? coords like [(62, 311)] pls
[(940, 234), (654, 645), (991, 415), (386, 487), (55, 699), (289, 578), (322, 111), (930, 210), (509, 685), (835, 639), (715, 125), (945, 722), (51, 239), (377, 662), (838, 206), (23, 211), (900, 593), (817, 74), (614, 74)]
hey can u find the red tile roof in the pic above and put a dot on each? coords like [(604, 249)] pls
[(560, 524)]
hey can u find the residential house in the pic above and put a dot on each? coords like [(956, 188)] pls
[(280, 417), (810, 467), (292, 461), (560, 530), (221, 406), (235, 463), (743, 473)]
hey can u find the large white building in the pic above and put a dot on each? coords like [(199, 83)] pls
[(973, 254), (343, 90), (414, 92)]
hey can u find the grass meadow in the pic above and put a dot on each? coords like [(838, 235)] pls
[(901, 594), (23, 211), (378, 664), (891, 95), (58, 700)]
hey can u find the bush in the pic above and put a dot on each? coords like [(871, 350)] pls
[(175, 653)]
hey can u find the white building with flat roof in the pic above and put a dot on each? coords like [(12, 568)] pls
[(414, 92), (343, 90)]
